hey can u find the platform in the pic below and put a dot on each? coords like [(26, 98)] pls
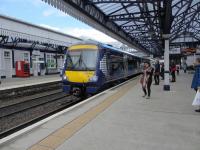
[(121, 118), (10, 83)]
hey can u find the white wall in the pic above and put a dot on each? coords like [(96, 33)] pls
[(19, 55), (5, 64), (60, 61), (191, 59), (1, 62)]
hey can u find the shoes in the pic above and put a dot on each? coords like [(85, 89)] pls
[(148, 97), (143, 95), (198, 110)]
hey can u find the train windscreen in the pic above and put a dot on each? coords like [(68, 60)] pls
[(84, 60)]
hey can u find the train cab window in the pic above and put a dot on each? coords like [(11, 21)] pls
[(82, 59)]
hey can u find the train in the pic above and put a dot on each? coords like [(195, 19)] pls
[(90, 67)]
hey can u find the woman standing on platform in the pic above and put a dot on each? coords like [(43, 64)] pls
[(146, 79), (196, 81)]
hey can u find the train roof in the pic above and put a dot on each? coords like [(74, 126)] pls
[(118, 50), (105, 46)]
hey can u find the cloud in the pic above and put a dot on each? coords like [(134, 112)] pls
[(48, 12), (83, 33), (53, 12), (37, 2), (89, 33), (50, 27)]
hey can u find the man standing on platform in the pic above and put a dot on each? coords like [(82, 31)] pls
[(173, 71), (157, 73), (196, 83)]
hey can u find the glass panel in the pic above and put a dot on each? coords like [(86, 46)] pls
[(81, 59), (6, 54), (51, 62), (116, 65), (26, 58)]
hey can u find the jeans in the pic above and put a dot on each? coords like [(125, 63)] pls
[(173, 76), (157, 79)]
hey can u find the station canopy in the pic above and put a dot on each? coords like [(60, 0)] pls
[(141, 23)]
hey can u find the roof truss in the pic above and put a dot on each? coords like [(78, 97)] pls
[(140, 23)]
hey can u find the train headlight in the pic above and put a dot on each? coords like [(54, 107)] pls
[(94, 78), (64, 77)]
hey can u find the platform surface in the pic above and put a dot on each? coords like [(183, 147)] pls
[(121, 119), (10, 83)]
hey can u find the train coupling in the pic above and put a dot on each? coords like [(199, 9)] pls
[(76, 91)]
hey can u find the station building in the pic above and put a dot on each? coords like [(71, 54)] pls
[(28, 47)]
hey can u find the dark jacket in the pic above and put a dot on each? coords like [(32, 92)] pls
[(196, 78), (150, 74), (157, 68)]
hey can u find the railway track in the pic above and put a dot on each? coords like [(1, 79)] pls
[(9, 94), (16, 116), (18, 113)]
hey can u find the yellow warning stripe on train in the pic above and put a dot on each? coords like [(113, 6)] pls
[(77, 47), (79, 76)]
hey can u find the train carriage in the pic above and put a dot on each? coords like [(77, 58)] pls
[(89, 68)]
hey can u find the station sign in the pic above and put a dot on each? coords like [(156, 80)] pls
[(188, 51)]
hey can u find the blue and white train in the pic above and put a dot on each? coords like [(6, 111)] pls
[(89, 68)]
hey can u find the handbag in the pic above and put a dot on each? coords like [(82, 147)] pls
[(196, 101), (142, 79)]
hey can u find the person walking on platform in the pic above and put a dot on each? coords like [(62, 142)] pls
[(173, 72), (185, 67), (146, 79), (177, 69), (162, 70), (196, 80), (157, 73)]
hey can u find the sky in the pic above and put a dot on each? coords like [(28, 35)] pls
[(39, 13)]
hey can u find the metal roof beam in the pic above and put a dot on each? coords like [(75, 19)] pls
[(121, 1), (167, 17), (123, 17), (183, 26), (90, 14)]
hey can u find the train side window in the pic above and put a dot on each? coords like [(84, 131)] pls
[(116, 65)]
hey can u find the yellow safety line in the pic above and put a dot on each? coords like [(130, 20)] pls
[(58, 137)]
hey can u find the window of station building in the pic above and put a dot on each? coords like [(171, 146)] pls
[(6, 54), (26, 57), (51, 61)]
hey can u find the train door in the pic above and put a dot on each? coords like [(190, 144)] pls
[(7, 57)]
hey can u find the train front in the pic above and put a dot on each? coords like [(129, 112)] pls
[(79, 72)]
